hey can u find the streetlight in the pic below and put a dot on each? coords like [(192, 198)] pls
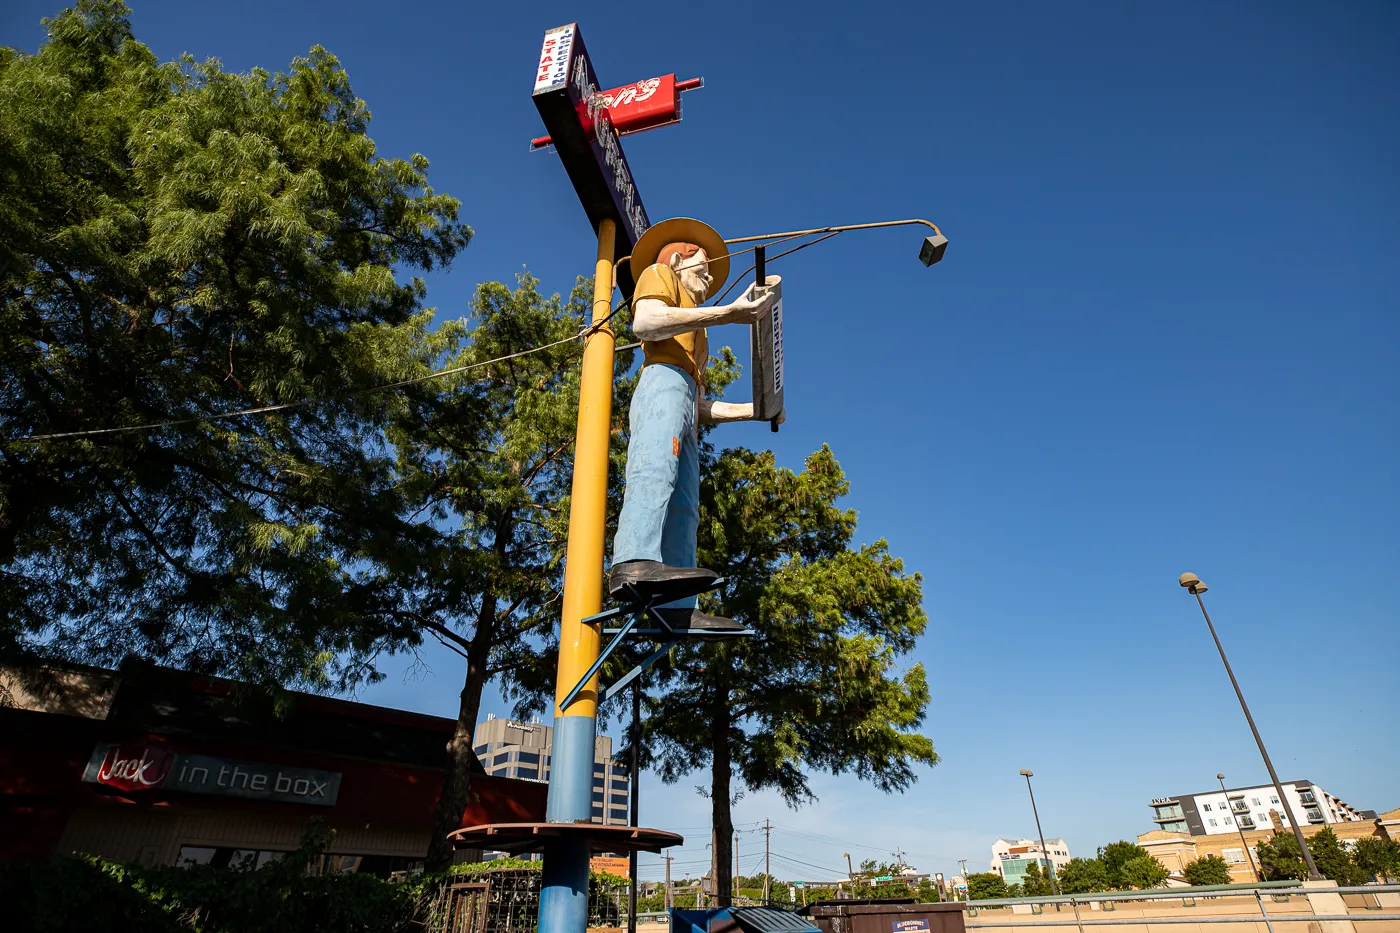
[(1195, 587), (1045, 853), (1254, 868)]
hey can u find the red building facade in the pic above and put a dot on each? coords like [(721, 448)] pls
[(157, 766)]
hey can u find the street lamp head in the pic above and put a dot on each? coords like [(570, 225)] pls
[(1192, 583), (932, 249), (1027, 773), (1220, 777)]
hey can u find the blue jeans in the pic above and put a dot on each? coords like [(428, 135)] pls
[(661, 504)]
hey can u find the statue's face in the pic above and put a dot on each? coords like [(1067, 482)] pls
[(694, 274)]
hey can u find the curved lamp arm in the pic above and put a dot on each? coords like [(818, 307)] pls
[(791, 233)]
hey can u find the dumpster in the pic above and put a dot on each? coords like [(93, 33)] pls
[(893, 916)]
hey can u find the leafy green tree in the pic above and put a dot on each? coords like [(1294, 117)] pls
[(178, 242), (1144, 872), (818, 686), (1083, 876), (1334, 861), (485, 458), (1115, 856), (1377, 857), (1281, 859), (1035, 883), (1209, 870), (986, 885)]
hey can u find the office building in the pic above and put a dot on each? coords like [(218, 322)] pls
[(1214, 812), (523, 750), (1011, 857)]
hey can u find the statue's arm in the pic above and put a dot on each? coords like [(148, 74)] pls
[(653, 319), (712, 412)]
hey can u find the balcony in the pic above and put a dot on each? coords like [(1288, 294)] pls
[(1239, 806), (1245, 822), (1315, 815), (1308, 796)]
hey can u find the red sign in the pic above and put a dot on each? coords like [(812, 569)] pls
[(644, 105), (134, 767), (634, 108)]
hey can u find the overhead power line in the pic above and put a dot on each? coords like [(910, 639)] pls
[(302, 403)]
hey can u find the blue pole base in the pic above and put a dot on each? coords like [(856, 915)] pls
[(564, 887), (571, 770)]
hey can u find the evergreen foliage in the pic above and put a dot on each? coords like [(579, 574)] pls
[(177, 242), (819, 687)]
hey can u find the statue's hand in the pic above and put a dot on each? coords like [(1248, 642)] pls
[(750, 307)]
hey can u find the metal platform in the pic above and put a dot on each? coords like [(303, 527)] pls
[(638, 607), (532, 837)]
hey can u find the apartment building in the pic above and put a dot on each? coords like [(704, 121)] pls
[(1011, 857), (523, 750), (1228, 811)]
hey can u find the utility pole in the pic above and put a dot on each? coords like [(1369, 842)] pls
[(714, 866), (668, 901), (767, 865), (850, 873), (734, 883), (967, 892), (636, 792)]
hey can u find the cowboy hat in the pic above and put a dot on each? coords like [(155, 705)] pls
[(683, 230)]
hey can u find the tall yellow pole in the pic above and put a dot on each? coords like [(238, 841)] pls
[(570, 794), (564, 880), (583, 569)]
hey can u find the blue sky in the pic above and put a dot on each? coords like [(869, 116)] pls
[(1164, 338)]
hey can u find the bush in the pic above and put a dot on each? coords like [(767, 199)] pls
[(71, 895)]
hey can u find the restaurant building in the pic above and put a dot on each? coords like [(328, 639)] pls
[(163, 767)]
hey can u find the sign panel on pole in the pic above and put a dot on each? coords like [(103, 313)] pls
[(575, 114)]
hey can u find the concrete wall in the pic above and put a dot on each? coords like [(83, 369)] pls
[(1127, 912)]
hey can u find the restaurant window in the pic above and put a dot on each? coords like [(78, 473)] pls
[(226, 857)]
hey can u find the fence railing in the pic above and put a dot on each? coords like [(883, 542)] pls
[(1276, 889)]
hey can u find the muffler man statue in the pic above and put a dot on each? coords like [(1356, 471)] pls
[(677, 264)]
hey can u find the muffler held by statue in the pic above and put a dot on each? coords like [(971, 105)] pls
[(766, 369)]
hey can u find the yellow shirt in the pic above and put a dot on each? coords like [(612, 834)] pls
[(688, 351)]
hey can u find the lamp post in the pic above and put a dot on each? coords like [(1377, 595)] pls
[(1044, 852), (1193, 584), (1252, 867)]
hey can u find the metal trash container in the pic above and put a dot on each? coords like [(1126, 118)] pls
[(887, 917)]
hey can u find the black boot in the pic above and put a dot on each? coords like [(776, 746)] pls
[(693, 620), (653, 578)]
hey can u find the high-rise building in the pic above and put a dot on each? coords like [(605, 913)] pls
[(1228, 811), (523, 750), (1011, 857)]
